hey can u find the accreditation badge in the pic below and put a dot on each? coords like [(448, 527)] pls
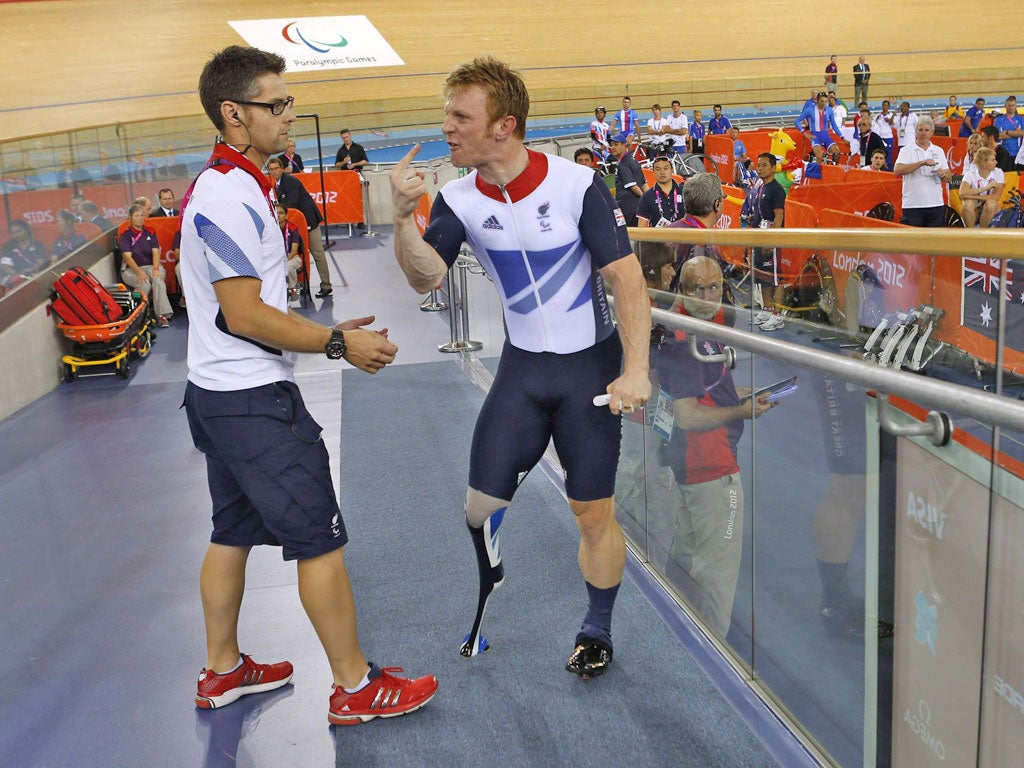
[(664, 417)]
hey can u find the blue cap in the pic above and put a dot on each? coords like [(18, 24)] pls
[(619, 138)]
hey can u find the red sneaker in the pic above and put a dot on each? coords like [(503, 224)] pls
[(216, 690), (385, 696)]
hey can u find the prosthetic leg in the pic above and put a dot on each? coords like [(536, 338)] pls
[(484, 515)]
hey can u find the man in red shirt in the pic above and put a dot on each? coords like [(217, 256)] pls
[(700, 417)]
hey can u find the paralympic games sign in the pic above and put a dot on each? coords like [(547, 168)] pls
[(321, 42)]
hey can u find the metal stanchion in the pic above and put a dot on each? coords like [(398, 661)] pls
[(459, 343), (367, 218), (433, 303)]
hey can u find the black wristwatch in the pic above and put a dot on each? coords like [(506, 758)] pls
[(336, 348)]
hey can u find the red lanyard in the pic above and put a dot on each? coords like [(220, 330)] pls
[(225, 154)]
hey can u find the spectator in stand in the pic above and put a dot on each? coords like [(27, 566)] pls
[(924, 170), (626, 119), (981, 189), (906, 125), (697, 133), (861, 76), (990, 139), (679, 127), (291, 194), (166, 209), (23, 255), (972, 119), (974, 143), (68, 239), (884, 123), (91, 213), (75, 206), (293, 250), (584, 156), (816, 123), (838, 108), (110, 171), (718, 124), (629, 179), (831, 73), (141, 169), (71, 174), (739, 149), (140, 266), (703, 200), (866, 142), (663, 203), (350, 157), (659, 133), (878, 160), (145, 203), (599, 132), (769, 214), (953, 111), (1011, 127), (171, 166), (290, 159)]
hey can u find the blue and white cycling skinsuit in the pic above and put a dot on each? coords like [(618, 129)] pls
[(542, 239)]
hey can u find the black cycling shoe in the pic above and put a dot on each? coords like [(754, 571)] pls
[(323, 293), (849, 623), (590, 658)]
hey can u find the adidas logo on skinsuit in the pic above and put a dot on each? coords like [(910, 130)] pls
[(492, 223)]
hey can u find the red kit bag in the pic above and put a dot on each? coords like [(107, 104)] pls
[(81, 300)]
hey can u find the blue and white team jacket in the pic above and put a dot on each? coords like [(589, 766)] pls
[(542, 239)]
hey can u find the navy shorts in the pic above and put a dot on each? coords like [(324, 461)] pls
[(537, 396), (765, 266), (268, 470)]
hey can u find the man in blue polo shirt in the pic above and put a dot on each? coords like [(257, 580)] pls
[(718, 124), (972, 119), (1011, 127)]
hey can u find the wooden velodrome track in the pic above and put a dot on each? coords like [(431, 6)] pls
[(76, 63)]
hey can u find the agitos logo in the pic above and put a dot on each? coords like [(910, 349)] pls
[(293, 34)]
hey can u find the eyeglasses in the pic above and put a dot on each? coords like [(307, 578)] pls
[(275, 107)]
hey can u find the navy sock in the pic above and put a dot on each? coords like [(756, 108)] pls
[(597, 624), (835, 588)]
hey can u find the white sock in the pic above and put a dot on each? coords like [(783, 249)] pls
[(241, 661), (362, 683)]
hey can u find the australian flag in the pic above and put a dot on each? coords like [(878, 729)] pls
[(981, 282)]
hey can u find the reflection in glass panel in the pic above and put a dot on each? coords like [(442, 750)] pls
[(697, 503), (810, 481)]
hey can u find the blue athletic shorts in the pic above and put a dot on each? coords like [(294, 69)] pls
[(821, 139), (268, 470), (537, 396)]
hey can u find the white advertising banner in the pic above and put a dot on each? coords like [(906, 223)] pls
[(941, 539), (320, 42)]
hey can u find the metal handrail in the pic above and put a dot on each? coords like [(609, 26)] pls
[(987, 243), (985, 407)]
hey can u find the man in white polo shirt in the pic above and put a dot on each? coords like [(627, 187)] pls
[(924, 170), (267, 467)]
